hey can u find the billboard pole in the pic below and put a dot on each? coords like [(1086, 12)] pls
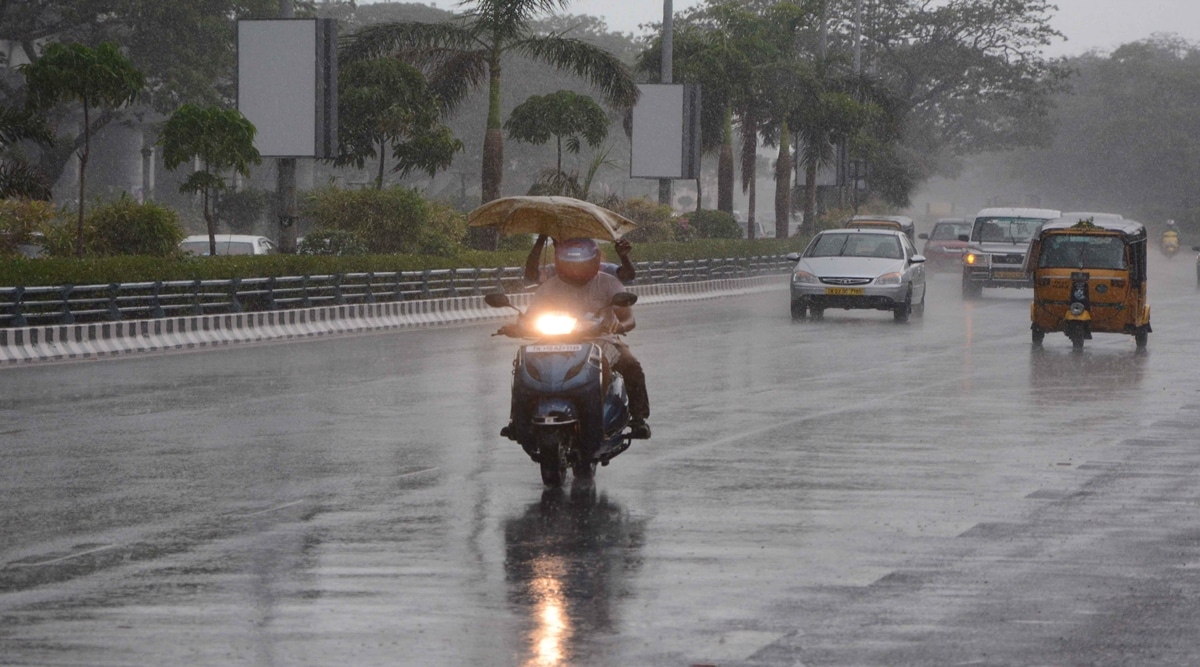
[(285, 175), (664, 184)]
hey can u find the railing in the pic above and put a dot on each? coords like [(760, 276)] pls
[(71, 304)]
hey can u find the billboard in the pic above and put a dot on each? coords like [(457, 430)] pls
[(287, 85), (666, 132)]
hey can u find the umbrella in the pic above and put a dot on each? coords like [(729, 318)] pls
[(556, 217)]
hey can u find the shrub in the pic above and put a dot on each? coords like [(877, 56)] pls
[(654, 220), (392, 220), (20, 220), (710, 224), (337, 242), (125, 227)]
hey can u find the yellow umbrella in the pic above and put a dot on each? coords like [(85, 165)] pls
[(557, 217)]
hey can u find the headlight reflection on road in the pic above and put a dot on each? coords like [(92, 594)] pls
[(553, 629)]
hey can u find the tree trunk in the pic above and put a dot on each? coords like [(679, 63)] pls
[(212, 226), (783, 184), (382, 159), (493, 140), (810, 195), (83, 160), (725, 173)]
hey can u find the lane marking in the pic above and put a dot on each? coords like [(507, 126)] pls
[(268, 511), (59, 560)]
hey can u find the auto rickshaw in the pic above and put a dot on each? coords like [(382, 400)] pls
[(1089, 276)]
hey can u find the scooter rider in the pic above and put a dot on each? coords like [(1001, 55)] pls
[(625, 271), (579, 286)]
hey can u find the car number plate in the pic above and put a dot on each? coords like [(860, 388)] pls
[(1010, 275), (553, 348), (845, 291)]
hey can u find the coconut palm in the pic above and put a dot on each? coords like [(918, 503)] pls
[(463, 52)]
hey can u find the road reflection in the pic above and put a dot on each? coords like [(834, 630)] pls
[(569, 561), (1066, 375)]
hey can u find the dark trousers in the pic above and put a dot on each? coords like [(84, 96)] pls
[(635, 380)]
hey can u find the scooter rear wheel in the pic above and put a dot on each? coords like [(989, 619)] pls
[(552, 456), (584, 469)]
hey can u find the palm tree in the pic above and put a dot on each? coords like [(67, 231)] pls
[(462, 52)]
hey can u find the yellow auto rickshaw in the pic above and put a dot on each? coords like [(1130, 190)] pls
[(1089, 276)]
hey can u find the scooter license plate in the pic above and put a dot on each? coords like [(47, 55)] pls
[(553, 348)]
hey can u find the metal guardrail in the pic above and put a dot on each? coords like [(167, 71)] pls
[(76, 304)]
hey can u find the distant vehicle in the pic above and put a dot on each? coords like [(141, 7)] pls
[(229, 244), (898, 222), (874, 269), (996, 247), (1197, 249), (943, 247)]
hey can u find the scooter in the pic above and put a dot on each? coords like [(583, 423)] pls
[(570, 410)]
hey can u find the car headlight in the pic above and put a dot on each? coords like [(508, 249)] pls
[(972, 258), (888, 279), (804, 277), (554, 324)]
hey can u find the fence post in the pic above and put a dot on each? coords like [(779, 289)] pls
[(271, 294), (66, 317), (235, 304), (114, 311), (426, 292), (156, 309), (305, 301), (338, 298), (453, 282), (370, 297), (196, 305), (18, 318)]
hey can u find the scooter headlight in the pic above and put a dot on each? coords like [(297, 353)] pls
[(554, 324), (1077, 308)]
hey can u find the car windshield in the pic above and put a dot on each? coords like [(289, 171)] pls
[(1064, 251), (949, 231), (856, 245), (1005, 230), (223, 247)]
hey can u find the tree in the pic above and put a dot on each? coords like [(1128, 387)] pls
[(469, 49), (97, 78), (561, 114), (384, 102), (19, 179), (220, 139)]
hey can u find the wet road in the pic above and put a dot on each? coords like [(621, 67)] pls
[(844, 492)]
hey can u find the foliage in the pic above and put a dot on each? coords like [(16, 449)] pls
[(384, 102), (96, 78), (20, 220), (337, 242), (463, 54), (19, 179), (655, 221), (221, 139), (562, 115), (391, 220), (241, 210), (711, 224), (125, 227)]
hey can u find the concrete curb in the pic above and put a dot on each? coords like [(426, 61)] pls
[(109, 339)]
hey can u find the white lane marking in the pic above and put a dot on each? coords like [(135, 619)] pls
[(59, 560), (268, 511)]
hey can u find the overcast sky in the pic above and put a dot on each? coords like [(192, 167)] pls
[(1088, 24)]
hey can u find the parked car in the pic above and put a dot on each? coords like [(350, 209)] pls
[(996, 248), (943, 247), (874, 269), (229, 244)]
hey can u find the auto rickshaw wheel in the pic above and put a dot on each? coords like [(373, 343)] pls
[(1038, 336), (1140, 337)]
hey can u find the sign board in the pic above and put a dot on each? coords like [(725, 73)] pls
[(287, 85), (666, 132)]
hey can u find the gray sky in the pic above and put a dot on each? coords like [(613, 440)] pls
[(1088, 24)]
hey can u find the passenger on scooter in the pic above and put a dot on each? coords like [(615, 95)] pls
[(625, 272), (578, 286)]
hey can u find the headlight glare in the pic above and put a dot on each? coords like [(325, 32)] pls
[(970, 258), (554, 324)]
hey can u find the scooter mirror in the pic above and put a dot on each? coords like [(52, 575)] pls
[(624, 299), (497, 300)]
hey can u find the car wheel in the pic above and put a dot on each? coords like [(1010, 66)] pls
[(817, 313), (970, 290), (799, 310), (919, 309), (901, 312)]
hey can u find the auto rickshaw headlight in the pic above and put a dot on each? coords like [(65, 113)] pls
[(1077, 308)]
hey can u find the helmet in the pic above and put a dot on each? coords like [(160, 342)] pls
[(1170, 223), (577, 260)]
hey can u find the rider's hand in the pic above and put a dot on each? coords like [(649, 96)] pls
[(512, 330), (623, 247)]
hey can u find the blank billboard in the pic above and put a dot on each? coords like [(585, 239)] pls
[(286, 80), (666, 132)]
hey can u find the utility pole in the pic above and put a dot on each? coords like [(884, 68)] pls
[(285, 175), (668, 45)]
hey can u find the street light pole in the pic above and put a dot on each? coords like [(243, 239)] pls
[(664, 184), (285, 175)]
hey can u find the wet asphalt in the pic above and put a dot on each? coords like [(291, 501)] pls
[(850, 491)]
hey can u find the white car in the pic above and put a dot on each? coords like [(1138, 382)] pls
[(229, 244), (875, 269), (996, 248)]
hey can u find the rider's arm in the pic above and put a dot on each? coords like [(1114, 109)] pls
[(534, 259), (625, 320), (625, 273)]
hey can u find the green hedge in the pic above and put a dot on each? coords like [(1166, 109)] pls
[(104, 270)]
